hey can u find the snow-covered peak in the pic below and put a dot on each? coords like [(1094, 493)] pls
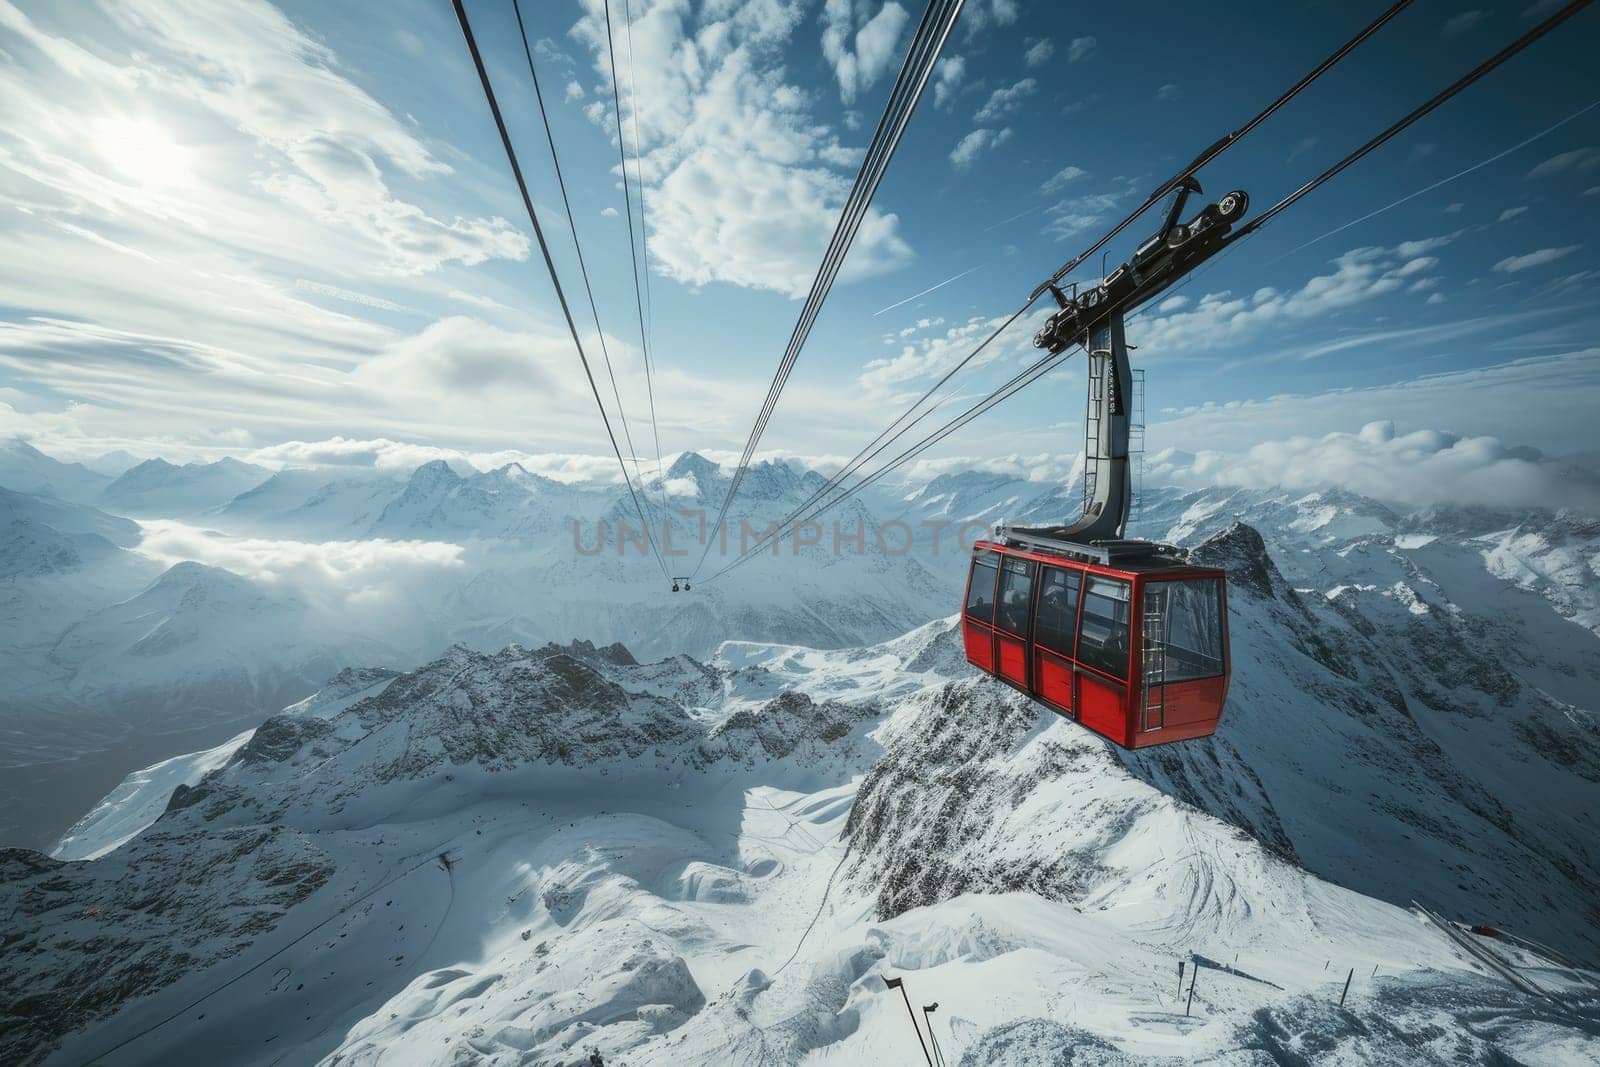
[(694, 465), (158, 488), (25, 469)]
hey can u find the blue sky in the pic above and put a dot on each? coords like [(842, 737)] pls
[(289, 232)]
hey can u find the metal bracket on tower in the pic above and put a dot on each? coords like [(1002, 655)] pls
[(1108, 422)]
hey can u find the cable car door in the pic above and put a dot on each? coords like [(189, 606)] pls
[(1013, 617), (977, 616)]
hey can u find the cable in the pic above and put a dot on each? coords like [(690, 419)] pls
[(1417, 113), (1049, 362), (633, 250), (937, 21), (1226, 142), (627, 433), (555, 280), (1027, 376), (644, 243), (1497, 157), (848, 218), (873, 447)]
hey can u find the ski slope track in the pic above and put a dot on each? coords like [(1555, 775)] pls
[(526, 855)]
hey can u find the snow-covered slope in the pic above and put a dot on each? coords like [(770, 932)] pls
[(531, 854), (161, 489)]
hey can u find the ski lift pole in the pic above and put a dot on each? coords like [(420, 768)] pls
[(933, 1039), (1346, 992), (900, 984)]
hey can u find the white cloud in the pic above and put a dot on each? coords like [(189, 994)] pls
[(390, 456), (376, 584), (1050, 467), (860, 56), (975, 144), (466, 359), (929, 356), (1169, 91), (1078, 213), (1415, 469), (1488, 401), (1223, 318), (1459, 24), (1039, 52), (744, 184), (1005, 101), (1081, 48), (1581, 159), (1511, 213), (218, 221), (1060, 178), (334, 292), (979, 15), (305, 563), (947, 75), (1513, 264)]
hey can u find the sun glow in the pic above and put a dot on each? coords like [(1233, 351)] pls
[(143, 153)]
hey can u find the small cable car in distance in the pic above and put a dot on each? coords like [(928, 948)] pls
[(1127, 638)]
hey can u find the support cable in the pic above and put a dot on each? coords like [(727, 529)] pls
[(644, 243), (1419, 112), (555, 280), (633, 249), (1223, 143), (878, 444), (627, 433), (1047, 363), (934, 29)]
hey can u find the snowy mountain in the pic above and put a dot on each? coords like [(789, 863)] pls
[(578, 564), (105, 671), (25, 469), (507, 503), (201, 643), (160, 489), (42, 535), (534, 853), (58, 563), (310, 504)]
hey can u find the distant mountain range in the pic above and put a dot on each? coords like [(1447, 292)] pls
[(118, 656)]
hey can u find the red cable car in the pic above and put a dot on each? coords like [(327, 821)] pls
[(1125, 637), (1135, 649)]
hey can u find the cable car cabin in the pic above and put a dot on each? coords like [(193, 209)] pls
[(1136, 649)]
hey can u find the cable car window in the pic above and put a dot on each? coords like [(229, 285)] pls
[(1192, 626), (1103, 630), (1057, 616), (980, 593), (1016, 589)]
